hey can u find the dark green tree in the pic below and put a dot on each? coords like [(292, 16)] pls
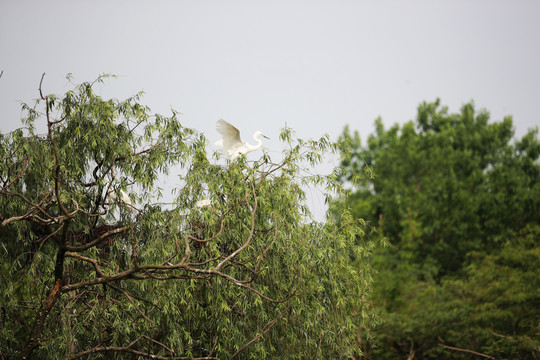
[(459, 202), (94, 266)]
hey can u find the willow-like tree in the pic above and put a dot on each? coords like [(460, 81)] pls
[(87, 273)]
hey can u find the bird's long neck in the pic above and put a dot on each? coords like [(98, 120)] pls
[(259, 143)]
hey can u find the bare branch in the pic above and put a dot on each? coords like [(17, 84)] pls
[(266, 328), (244, 283), (40, 82), (129, 349), (160, 344), (467, 351), (102, 349), (98, 240), (32, 211), (216, 235), (252, 231), (56, 171), (126, 294), (19, 175), (411, 352), (37, 252), (136, 297), (16, 218), (156, 145), (94, 262), (269, 246), (502, 336), (100, 280)]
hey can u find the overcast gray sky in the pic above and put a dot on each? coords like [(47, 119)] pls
[(313, 65)]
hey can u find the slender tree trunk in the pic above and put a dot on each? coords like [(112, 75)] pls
[(34, 340)]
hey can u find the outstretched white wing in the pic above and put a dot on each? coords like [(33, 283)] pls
[(230, 135)]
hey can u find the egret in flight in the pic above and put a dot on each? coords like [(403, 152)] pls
[(231, 143)]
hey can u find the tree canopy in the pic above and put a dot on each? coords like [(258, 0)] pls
[(246, 273), (459, 202)]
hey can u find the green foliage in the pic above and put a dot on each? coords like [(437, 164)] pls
[(492, 308), (84, 274), (460, 205)]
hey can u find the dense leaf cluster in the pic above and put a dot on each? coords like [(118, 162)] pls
[(87, 273), (459, 202)]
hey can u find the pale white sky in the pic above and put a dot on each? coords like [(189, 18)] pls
[(313, 65)]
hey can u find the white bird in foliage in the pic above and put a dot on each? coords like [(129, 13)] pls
[(124, 197), (231, 143), (203, 203)]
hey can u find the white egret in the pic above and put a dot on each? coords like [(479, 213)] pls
[(124, 197), (203, 203), (231, 143)]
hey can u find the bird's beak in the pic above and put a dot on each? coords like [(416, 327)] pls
[(266, 137)]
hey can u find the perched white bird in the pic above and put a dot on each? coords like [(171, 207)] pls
[(202, 203), (233, 146), (124, 197)]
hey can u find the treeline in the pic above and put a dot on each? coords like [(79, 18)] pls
[(458, 200)]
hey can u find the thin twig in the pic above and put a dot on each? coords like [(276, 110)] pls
[(269, 246), (142, 354), (411, 352), (94, 262), (251, 233), (98, 240), (56, 171), (126, 294), (41, 81), (266, 328), (23, 170), (467, 351)]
